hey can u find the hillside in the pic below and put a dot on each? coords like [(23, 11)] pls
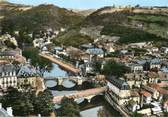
[(131, 24), (72, 37), (84, 12), (40, 17), (7, 8)]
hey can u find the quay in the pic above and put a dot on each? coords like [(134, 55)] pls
[(66, 66), (119, 108)]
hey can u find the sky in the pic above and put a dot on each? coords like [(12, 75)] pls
[(90, 4)]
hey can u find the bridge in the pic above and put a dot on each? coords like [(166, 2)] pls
[(66, 66), (86, 94), (76, 79)]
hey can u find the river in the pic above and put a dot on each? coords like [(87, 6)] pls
[(98, 105)]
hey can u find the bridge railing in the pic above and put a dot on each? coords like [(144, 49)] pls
[(64, 77)]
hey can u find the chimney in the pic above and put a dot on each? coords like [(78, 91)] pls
[(10, 111)]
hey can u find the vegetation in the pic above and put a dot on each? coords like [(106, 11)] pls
[(36, 60), (27, 102), (115, 69), (40, 17), (69, 108), (156, 24), (135, 114), (72, 38), (97, 66), (158, 19), (129, 35)]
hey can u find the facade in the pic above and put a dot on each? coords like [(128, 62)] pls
[(7, 55), (119, 90), (136, 79), (27, 75), (155, 63), (136, 68), (12, 55), (26, 81), (96, 52), (8, 76)]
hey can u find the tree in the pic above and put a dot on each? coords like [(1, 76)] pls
[(115, 69), (137, 6), (69, 108), (20, 102), (23, 105), (26, 102), (36, 60), (43, 103), (97, 66)]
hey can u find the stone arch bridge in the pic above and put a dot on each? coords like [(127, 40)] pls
[(78, 80), (86, 94)]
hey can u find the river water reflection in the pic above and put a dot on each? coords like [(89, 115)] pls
[(88, 110)]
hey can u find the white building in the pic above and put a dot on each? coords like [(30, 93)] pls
[(95, 52), (165, 50), (139, 45), (136, 68), (119, 90), (8, 77), (6, 113)]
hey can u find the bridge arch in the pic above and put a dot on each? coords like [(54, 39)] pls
[(69, 83), (97, 98), (51, 83)]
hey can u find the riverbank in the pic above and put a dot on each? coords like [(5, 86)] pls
[(64, 65), (91, 109)]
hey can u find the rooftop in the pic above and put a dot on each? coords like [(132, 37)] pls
[(121, 84), (7, 68), (95, 51), (146, 94)]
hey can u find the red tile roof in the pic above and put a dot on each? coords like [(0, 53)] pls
[(146, 94)]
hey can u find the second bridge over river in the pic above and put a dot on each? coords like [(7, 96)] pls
[(86, 94)]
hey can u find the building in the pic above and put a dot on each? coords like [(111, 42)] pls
[(119, 90), (86, 46), (146, 97), (27, 71), (133, 106), (6, 113), (155, 63), (58, 50), (165, 50), (8, 76), (27, 75), (109, 47), (12, 55), (7, 55), (136, 79), (155, 93), (136, 68), (95, 52), (139, 45)]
